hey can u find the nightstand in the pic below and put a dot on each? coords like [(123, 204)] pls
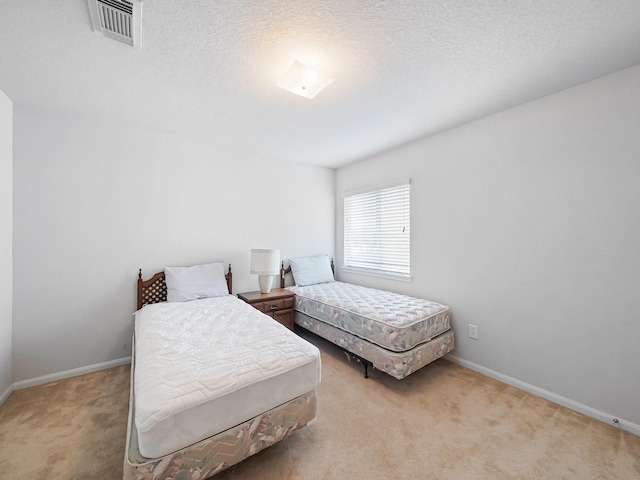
[(278, 303)]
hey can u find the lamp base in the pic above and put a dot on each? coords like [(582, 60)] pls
[(265, 282)]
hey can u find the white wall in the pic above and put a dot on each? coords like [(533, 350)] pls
[(527, 224), (94, 202), (6, 235)]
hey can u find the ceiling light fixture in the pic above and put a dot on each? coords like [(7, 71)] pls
[(303, 80)]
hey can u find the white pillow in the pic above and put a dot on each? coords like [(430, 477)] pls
[(311, 270), (199, 281)]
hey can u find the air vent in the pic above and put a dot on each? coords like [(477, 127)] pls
[(117, 19)]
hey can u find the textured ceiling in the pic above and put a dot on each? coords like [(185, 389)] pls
[(403, 69)]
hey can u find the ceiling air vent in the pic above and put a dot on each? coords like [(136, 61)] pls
[(117, 19)]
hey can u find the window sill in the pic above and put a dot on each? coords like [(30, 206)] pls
[(372, 273)]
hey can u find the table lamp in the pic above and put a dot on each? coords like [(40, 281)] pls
[(265, 262)]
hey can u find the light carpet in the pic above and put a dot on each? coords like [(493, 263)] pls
[(442, 422)]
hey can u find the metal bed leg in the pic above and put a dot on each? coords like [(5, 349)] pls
[(365, 363)]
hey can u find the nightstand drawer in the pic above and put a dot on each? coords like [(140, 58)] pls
[(269, 306), (274, 305), (289, 302)]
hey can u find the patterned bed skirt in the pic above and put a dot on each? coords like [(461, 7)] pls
[(221, 451), (396, 364), (214, 454)]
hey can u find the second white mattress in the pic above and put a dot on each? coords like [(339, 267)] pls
[(207, 365), (393, 321)]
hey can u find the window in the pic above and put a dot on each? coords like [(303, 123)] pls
[(377, 233)]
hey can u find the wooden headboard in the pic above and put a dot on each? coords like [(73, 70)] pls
[(284, 271), (154, 290)]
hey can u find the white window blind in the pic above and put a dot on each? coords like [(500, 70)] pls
[(377, 233)]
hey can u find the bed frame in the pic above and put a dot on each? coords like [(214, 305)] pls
[(154, 290), (218, 452)]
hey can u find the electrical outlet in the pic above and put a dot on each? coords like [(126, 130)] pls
[(473, 331)]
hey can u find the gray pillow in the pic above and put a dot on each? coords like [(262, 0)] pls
[(311, 270)]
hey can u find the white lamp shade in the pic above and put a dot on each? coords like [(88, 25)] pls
[(265, 261)]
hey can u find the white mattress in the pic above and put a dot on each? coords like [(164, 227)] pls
[(393, 321), (207, 365)]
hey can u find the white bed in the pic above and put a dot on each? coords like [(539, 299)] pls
[(204, 372), (395, 333), (207, 365)]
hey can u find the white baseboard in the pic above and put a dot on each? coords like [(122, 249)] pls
[(552, 397), (6, 394), (32, 382)]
